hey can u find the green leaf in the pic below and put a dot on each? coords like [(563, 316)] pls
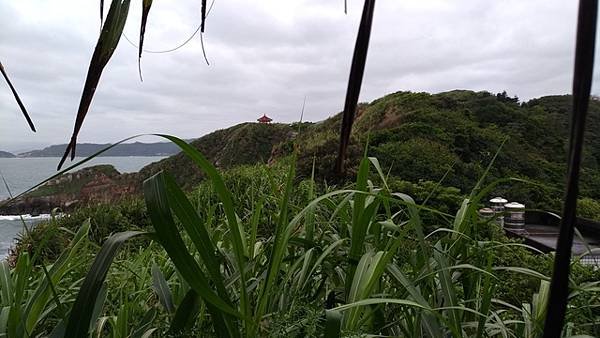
[(37, 303), (254, 220), (98, 307), (198, 233), (161, 288), (333, 324), (168, 236), (323, 255), (4, 321), (428, 320), (17, 98), (105, 47), (372, 301), (6, 284), (279, 246), (359, 227), (83, 308), (143, 328), (146, 4), (186, 313), (448, 290), (235, 230)]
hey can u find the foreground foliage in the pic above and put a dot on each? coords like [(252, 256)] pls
[(254, 252)]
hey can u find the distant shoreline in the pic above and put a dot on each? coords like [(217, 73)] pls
[(156, 155)]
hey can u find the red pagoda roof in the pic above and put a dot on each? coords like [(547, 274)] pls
[(264, 119)]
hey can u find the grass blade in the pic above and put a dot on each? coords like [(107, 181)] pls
[(279, 245), (146, 4), (359, 228), (186, 313), (198, 233), (333, 324), (83, 308), (35, 307), (168, 236), (107, 43), (161, 287), (98, 307), (101, 12), (359, 59), (235, 230), (203, 15), (6, 284), (143, 328), (17, 98), (428, 320)]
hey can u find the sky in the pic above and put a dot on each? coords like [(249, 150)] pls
[(266, 57)]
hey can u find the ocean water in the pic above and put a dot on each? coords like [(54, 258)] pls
[(23, 173), (11, 226)]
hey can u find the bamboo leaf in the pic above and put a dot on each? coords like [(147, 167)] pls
[(203, 15), (235, 230), (279, 246), (17, 98), (333, 324), (168, 236), (146, 4), (186, 313), (98, 306), (161, 287), (143, 328), (105, 47), (83, 308), (359, 59), (198, 233), (36, 304), (101, 12), (6, 285)]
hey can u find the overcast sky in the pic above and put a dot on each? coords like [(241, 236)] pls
[(265, 57)]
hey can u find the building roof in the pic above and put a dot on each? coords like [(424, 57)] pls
[(264, 119)]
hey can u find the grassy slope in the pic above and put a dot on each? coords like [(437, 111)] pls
[(245, 143), (417, 137)]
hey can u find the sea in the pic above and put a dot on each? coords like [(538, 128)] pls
[(21, 174)]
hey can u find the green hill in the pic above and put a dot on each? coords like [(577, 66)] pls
[(6, 154), (245, 143), (420, 138)]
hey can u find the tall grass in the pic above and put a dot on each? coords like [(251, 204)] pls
[(274, 257)]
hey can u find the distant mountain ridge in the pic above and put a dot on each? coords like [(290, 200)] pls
[(124, 149), (6, 154)]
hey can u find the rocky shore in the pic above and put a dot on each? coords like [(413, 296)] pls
[(97, 184)]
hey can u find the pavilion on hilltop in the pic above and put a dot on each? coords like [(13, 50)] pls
[(264, 119)]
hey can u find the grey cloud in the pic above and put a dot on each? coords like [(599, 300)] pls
[(265, 57)]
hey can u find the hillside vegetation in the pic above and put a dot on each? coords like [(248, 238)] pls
[(256, 247), (246, 143), (253, 252), (420, 138)]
